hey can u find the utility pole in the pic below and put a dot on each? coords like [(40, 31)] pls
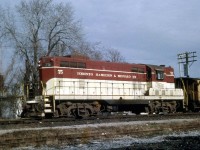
[(186, 59), (1, 73), (1, 59)]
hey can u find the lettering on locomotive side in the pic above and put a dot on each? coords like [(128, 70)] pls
[(84, 74), (108, 75), (60, 71), (103, 75), (126, 76)]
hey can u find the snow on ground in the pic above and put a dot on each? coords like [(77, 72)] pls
[(115, 143)]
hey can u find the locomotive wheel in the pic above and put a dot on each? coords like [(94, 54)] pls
[(64, 110), (80, 113), (171, 106), (150, 109), (75, 114), (25, 114), (165, 107), (39, 107), (77, 110)]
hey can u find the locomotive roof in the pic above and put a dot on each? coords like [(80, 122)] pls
[(187, 78), (87, 59), (156, 67)]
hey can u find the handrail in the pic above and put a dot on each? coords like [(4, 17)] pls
[(185, 94)]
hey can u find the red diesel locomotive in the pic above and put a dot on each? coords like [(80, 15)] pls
[(77, 86)]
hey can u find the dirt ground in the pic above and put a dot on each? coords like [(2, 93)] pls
[(83, 134)]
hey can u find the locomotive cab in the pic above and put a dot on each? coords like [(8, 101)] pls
[(160, 77), (162, 94)]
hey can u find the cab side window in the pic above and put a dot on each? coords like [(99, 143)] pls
[(47, 64), (159, 75), (64, 64)]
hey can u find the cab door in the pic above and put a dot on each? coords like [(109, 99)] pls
[(149, 74)]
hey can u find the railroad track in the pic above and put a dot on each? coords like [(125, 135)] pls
[(92, 120), (98, 128)]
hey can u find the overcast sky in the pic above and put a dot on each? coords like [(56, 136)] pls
[(144, 31)]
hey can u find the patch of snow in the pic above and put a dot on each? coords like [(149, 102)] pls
[(116, 143)]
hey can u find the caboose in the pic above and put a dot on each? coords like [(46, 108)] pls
[(76, 86)]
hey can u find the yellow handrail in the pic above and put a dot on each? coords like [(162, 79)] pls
[(185, 94)]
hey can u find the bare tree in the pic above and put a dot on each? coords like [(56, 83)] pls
[(91, 50), (113, 55), (97, 51), (39, 28)]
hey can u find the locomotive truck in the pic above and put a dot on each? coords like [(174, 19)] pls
[(76, 86)]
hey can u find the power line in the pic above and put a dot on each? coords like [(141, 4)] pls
[(187, 58)]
